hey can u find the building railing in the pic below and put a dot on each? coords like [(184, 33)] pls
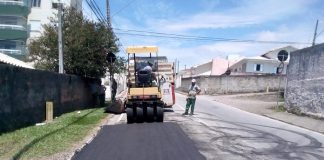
[(11, 51), (7, 2), (13, 27)]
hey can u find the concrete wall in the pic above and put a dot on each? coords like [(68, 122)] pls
[(23, 93), (305, 81), (234, 84)]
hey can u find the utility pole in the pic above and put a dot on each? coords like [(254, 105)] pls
[(111, 74), (227, 74), (175, 76), (60, 46), (315, 33), (175, 67), (178, 67), (108, 13)]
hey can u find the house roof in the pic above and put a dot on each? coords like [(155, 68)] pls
[(258, 58), (287, 48), (221, 65), (13, 61)]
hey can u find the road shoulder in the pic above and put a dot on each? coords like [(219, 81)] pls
[(263, 104)]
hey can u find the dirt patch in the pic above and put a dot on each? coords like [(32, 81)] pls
[(263, 98), (256, 103)]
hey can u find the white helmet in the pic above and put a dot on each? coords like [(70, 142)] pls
[(193, 81)]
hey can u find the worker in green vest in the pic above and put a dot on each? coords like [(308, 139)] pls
[(191, 98)]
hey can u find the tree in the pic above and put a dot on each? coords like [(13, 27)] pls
[(85, 44), (118, 66)]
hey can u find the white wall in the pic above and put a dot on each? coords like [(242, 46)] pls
[(267, 67)]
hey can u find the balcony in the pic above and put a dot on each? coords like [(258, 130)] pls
[(13, 32), (11, 51), (15, 53), (9, 7)]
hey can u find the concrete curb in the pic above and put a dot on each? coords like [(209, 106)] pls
[(88, 139), (290, 123)]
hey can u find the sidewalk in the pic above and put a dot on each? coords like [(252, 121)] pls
[(263, 104)]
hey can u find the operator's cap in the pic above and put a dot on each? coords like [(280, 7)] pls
[(193, 80)]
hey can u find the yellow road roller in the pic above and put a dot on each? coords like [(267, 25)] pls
[(144, 99)]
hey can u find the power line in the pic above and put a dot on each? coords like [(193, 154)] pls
[(319, 33), (121, 9), (121, 44), (197, 38), (160, 33), (180, 36), (93, 10), (97, 9)]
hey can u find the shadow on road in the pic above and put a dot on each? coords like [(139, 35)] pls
[(168, 110)]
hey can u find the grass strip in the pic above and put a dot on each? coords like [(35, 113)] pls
[(40, 141)]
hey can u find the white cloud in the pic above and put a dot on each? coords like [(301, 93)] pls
[(197, 53), (248, 13)]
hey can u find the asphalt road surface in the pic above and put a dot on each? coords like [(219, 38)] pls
[(145, 141), (223, 132), (216, 130)]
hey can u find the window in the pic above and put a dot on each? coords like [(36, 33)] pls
[(36, 3), (257, 67), (8, 44)]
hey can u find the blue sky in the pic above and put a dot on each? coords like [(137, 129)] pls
[(261, 20)]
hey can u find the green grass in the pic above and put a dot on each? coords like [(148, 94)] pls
[(280, 108), (40, 141), (281, 99)]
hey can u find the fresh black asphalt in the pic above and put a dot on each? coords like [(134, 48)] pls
[(144, 141)]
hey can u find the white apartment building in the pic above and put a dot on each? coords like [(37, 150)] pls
[(13, 27), (41, 12)]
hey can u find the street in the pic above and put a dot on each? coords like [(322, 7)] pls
[(217, 131)]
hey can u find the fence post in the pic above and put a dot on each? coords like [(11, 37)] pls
[(49, 112)]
